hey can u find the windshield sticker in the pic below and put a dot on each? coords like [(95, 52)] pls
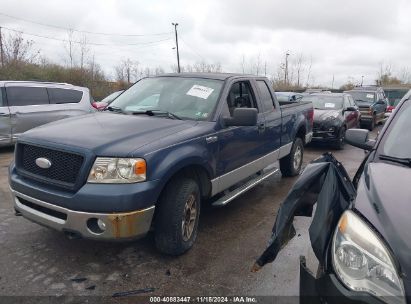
[(200, 91), (329, 105), (370, 96)]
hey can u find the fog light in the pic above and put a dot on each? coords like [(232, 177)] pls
[(101, 225)]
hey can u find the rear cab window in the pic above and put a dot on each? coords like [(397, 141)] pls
[(59, 96), (26, 96), (266, 97)]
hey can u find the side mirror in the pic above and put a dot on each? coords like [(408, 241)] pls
[(351, 109), (359, 138), (242, 117), (381, 102)]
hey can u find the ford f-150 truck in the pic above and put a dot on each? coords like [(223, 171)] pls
[(160, 149)]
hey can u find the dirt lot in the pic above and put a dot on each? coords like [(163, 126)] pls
[(37, 261)]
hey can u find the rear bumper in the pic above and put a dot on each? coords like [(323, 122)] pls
[(328, 289), (118, 226)]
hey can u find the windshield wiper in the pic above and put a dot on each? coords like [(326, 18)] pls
[(367, 101), (399, 160), (114, 109), (157, 113)]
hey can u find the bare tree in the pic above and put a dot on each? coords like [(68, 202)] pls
[(309, 72), (243, 64), (18, 50), (126, 70), (385, 75), (69, 46), (84, 50)]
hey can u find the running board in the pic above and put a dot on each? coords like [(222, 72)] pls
[(243, 188)]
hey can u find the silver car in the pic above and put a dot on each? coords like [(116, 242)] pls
[(28, 104)]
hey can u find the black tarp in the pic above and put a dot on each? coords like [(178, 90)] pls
[(325, 182)]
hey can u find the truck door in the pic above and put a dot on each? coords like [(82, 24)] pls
[(5, 123), (272, 117), (239, 146)]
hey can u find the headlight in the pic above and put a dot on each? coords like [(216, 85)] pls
[(117, 170), (362, 261)]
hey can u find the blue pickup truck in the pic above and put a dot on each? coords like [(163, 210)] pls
[(160, 149)]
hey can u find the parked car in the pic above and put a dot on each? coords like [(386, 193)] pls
[(369, 253), (372, 103), (288, 96), (101, 105), (394, 95), (28, 104), (334, 113), (207, 137)]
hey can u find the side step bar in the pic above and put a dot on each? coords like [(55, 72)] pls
[(243, 188)]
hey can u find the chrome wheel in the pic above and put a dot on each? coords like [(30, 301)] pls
[(189, 217), (297, 157)]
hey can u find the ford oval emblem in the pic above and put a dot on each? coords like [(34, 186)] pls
[(43, 163)]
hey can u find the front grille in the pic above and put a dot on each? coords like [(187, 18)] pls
[(65, 167)]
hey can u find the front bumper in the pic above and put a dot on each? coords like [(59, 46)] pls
[(118, 226), (328, 289), (366, 117)]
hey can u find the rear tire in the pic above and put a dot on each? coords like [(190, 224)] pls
[(178, 216), (292, 163)]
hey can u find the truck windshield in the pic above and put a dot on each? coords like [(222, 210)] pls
[(325, 102), (397, 140), (359, 96), (188, 98)]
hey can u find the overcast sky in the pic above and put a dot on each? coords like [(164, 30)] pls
[(346, 39)]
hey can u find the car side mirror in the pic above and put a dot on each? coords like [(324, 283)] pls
[(381, 102), (351, 109), (242, 117), (359, 138)]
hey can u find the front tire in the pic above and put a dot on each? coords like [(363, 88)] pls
[(178, 216), (339, 145), (292, 163), (372, 124)]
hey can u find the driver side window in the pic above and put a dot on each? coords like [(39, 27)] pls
[(241, 95)]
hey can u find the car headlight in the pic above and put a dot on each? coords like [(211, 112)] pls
[(118, 170), (363, 262)]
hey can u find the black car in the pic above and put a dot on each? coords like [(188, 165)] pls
[(334, 113), (369, 254)]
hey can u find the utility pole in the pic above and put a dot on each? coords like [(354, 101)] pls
[(178, 54), (1, 48), (362, 80), (332, 84), (286, 68)]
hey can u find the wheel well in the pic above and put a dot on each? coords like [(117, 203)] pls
[(199, 174), (301, 133)]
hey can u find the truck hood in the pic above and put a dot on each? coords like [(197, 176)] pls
[(363, 104), (107, 134), (383, 198)]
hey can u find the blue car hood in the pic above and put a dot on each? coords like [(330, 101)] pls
[(107, 134)]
